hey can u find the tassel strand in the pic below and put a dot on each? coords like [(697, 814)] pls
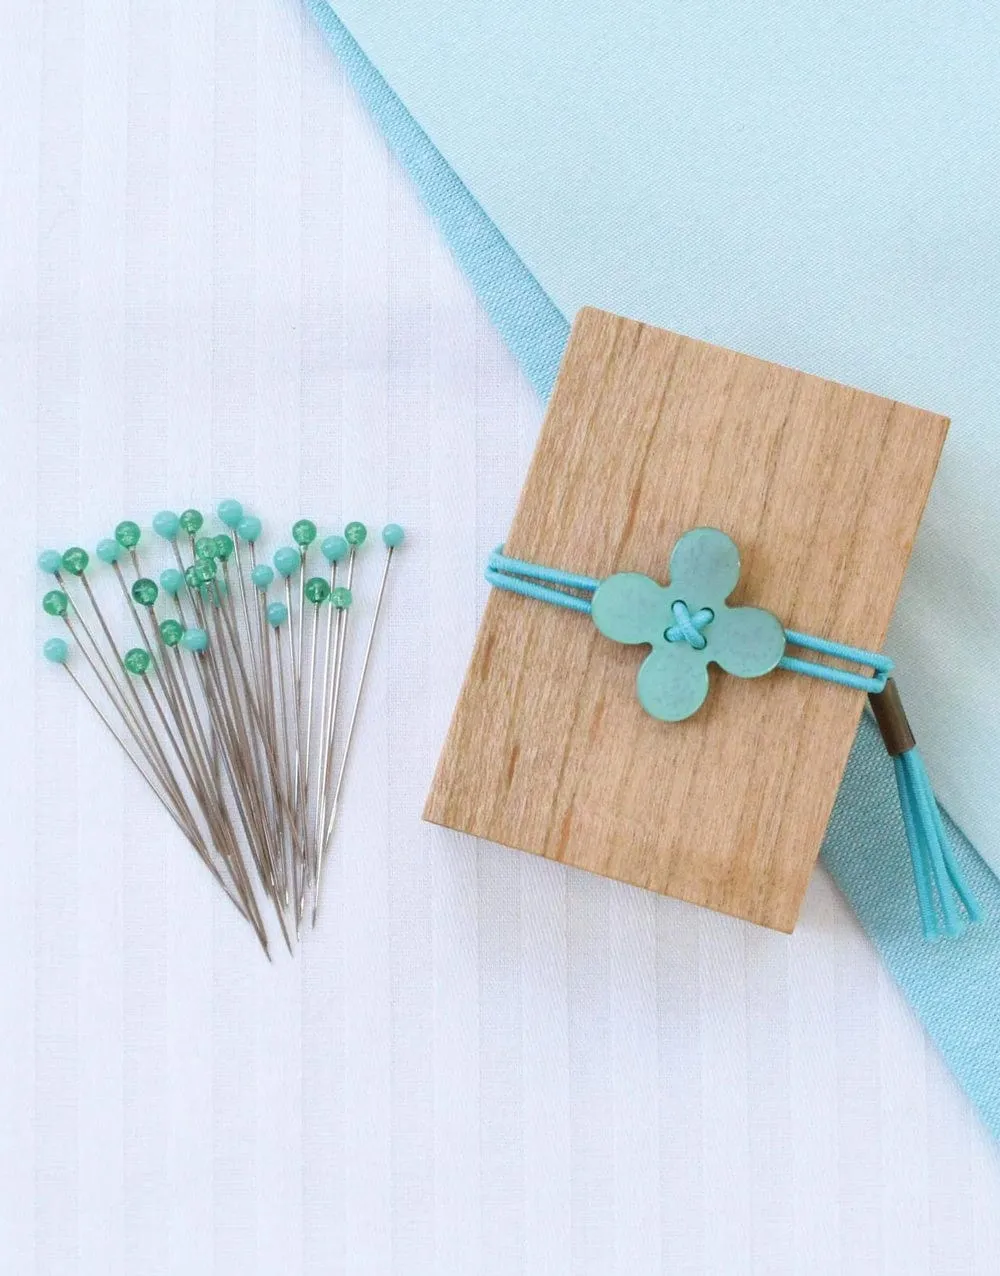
[(936, 872)]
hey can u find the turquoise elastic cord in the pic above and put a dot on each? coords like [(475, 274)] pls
[(549, 585), (518, 577), (687, 627), (881, 665)]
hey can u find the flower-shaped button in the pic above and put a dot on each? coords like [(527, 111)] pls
[(688, 624)]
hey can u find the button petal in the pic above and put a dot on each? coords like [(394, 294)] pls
[(631, 608), (672, 682), (705, 563), (745, 641)]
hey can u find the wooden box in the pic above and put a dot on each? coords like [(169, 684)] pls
[(649, 434)]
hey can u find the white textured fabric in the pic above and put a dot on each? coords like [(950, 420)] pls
[(216, 283)]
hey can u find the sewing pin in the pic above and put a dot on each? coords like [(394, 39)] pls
[(317, 591), (334, 549), (355, 535), (128, 535), (191, 522), (303, 534), (392, 538), (276, 614)]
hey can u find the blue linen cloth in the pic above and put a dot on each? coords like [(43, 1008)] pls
[(953, 986)]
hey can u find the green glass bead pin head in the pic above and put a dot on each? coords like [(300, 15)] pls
[(317, 590), (355, 534), (341, 598), (75, 561), (55, 603), (304, 532), (137, 661), (200, 574), (191, 521), (224, 547), (171, 631), (145, 592), (127, 534)]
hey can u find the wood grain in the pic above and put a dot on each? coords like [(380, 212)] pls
[(647, 435)]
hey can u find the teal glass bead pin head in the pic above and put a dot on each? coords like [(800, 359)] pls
[(50, 561), (262, 576), (230, 512), (171, 581), (277, 614), (334, 548), (249, 528), (56, 650), (392, 535), (286, 560), (688, 624), (167, 524), (194, 639), (108, 550)]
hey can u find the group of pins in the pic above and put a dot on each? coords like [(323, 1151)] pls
[(226, 701)]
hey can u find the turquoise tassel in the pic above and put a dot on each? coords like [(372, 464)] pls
[(936, 872)]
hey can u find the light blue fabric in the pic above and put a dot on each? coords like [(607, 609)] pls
[(953, 986), (812, 184)]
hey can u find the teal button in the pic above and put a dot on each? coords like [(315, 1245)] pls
[(688, 624)]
